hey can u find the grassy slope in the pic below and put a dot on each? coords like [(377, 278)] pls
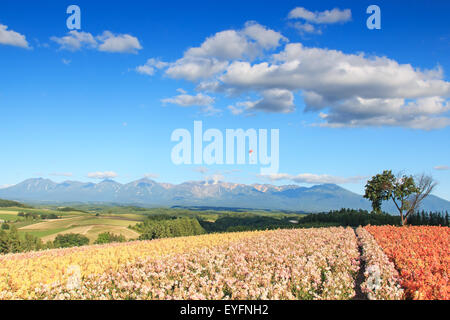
[(86, 224), (103, 218)]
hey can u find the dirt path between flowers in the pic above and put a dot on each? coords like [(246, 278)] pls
[(360, 295)]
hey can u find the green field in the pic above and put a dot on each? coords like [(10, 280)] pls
[(91, 220), (86, 224)]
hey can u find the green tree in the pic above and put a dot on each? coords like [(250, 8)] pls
[(70, 240), (107, 237), (405, 192), (379, 189)]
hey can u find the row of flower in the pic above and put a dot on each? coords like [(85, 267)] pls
[(281, 264), (407, 262), (21, 274), (381, 279), (422, 257)]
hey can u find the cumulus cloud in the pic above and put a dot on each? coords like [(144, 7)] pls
[(313, 178), (195, 68), (441, 168), (232, 44), (122, 43), (273, 100), (106, 42), (200, 100), (224, 45), (186, 100), (102, 175), (213, 55), (306, 28), (12, 38), (75, 40), (343, 89), (349, 89), (321, 17), (311, 21), (150, 67), (240, 107)]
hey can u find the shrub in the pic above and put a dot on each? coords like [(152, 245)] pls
[(107, 237), (70, 240), (155, 229)]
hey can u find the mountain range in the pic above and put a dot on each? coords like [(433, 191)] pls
[(147, 192)]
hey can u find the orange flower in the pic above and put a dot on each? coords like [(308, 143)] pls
[(422, 257)]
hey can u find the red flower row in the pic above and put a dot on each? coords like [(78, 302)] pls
[(422, 257)]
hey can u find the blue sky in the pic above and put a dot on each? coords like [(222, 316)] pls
[(349, 102)]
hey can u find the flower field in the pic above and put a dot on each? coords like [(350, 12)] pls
[(22, 273), (381, 279), (422, 256), (321, 263), (282, 264)]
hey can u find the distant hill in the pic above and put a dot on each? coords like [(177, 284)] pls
[(9, 203), (146, 192)]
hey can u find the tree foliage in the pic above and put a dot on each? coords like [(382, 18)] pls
[(406, 192), (70, 240), (107, 237), (157, 227), (12, 242)]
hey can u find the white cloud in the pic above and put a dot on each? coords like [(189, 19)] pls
[(102, 175), (239, 108), (12, 38), (76, 40), (343, 89), (232, 44), (201, 100), (441, 168), (6, 186), (321, 17), (273, 100), (195, 68), (313, 178), (150, 67), (355, 89), (264, 37), (107, 42), (213, 55), (122, 43), (224, 45), (317, 18), (61, 174), (358, 112), (186, 100), (306, 28)]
